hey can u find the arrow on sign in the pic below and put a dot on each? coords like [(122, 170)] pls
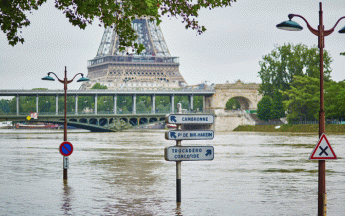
[(173, 134), (208, 152), (173, 118)]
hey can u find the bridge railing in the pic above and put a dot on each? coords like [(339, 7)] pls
[(61, 113)]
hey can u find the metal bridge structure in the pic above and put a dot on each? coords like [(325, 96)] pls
[(89, 115)]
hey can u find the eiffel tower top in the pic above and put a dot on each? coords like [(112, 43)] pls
[(149, 34), (154, 68)]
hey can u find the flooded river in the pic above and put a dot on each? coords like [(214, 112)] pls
[(126, 174)]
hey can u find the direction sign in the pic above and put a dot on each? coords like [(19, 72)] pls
[(188, 153), (66, 148), (323, 150), (189, 135), (189, 119)]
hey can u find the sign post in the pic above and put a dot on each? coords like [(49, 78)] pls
[(66, 149), (181, 153), (323, 151), (178, 163)]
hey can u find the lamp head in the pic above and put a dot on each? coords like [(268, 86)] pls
[(48, 78), (83, 79), (342, 30), (289, 26)]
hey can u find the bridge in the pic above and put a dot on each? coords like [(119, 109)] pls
[(114, 110), (100, 110)]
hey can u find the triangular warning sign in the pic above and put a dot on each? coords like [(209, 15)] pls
[(323, 150)]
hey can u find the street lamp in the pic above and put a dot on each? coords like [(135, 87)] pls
[(65, 82), (321, 33)]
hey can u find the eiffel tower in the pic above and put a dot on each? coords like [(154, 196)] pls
[(153, 69)]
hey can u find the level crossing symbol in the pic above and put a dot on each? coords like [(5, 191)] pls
[(323, 150)]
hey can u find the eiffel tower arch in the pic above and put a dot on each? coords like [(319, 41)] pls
[(153, 69)]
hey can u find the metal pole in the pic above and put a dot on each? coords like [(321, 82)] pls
[(57, 104), (322, 164), (65, 122), (115, 103), (153, 104), (134, 106), (76, 104), (178, 163), (191, 103), (17, 97), (37, 103), (96, 100)]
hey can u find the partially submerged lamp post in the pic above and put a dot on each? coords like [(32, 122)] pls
[(65, 82), (321, 33)]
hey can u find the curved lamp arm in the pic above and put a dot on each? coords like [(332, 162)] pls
[(61, 81), (314, 31), (69, 81), (328, 32)]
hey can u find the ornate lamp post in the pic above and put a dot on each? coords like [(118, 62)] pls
[(320, 33), (65, 81)]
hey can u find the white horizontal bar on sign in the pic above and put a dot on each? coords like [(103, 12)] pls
[(189, 135), (189, 153), (189, 119)]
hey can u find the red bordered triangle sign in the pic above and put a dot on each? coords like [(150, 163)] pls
[(323, 150)]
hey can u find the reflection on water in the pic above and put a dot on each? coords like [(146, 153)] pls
[(126, 174), (67, 193)]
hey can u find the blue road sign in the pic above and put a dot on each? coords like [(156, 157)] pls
[(189, 119), (189, 135), (66, 148), (189, 153)]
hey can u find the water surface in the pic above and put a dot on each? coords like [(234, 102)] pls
[(125, 174)]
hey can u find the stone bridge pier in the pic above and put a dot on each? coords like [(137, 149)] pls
[(246, 94)]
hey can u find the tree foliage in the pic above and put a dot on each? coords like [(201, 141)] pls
[(335, 100), (303, 99), (284, 62), (114, 13), (264, 108), (232, 104), (277, 110), (99, 86)]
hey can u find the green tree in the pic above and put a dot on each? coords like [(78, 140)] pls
[(303, 99), (264, 108), (163, 104), (284, 62), (119, 14), (232, 104), (335, 100), (99, 86), (5, 106), (184, 100), (277, 109)]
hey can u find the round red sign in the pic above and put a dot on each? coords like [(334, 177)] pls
[(66, 148)]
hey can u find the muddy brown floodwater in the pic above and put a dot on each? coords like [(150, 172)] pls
[(125, 174)]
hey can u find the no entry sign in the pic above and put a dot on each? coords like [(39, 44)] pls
[(66, 148)]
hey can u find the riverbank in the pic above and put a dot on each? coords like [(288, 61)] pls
[(308, 128)]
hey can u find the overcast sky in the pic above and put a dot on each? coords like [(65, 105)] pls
[(236, 39)]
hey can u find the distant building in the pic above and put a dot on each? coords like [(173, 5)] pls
[(153, 69)]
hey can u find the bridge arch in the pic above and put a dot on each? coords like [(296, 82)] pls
[(246, 94), (143, 120), (83, 120), (238, 102), (103, 121), (154, 119), (93, 121), (133, 121)]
